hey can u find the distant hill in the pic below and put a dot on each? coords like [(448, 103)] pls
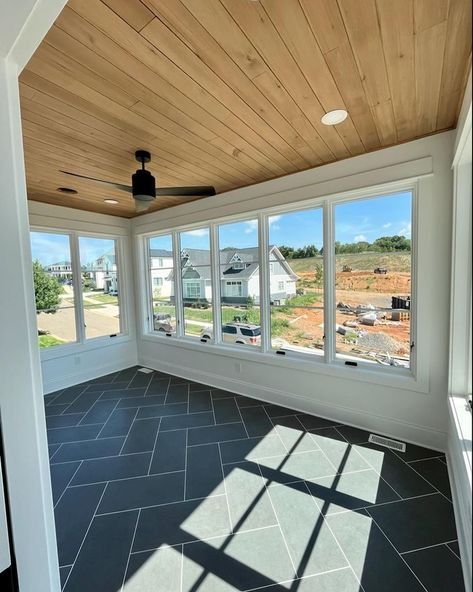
[(399, 261)]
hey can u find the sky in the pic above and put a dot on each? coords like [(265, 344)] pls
[(51, 248), (360, 220)]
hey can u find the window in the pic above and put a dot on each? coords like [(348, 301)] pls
[(196, 282), (100, 286), (161, 274), (233, 289), (54, 289), (373, 279), (296, 279), (337, 281), (239, 273)]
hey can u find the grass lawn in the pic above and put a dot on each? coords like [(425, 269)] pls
[(400, 261), (104, 298), (192, 329), (49, 341)]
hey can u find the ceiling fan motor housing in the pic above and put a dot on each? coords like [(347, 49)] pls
[(144, 185)]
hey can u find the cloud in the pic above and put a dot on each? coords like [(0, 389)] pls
[(387, 225), (251, 226), (405, 230), (360, 238), (198, 232)]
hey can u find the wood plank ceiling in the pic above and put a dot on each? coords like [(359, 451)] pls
[(231, 92)]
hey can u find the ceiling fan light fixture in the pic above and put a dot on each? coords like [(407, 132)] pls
[(142, 206), (334, 117)]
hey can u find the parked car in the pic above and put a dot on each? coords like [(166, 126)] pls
[(381, 270), (162, 322), (243, 333)]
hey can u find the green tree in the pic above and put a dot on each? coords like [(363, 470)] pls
[(46, 289)]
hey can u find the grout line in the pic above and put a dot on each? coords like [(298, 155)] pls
[(266, 488), (399, 554), (108, 419), (153, 452), (73, 426), (64, 462), (72, 403), (450, 548), (417, 460), (225, 489), (181, 501), (85, 536), (50, 403), (129, 552), (124, 478), (242, 420), (70, 481), (129, 431), (185, 466), (446, 543), (54, 454), (431, 484), (326, 522)]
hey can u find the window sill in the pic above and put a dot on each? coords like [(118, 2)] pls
[(399, 379), (70, 349)]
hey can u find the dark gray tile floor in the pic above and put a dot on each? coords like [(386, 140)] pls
[(161, 484)]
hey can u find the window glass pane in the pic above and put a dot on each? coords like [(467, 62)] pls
[(54, 292), (196, 283), (373, 279), (161, 274), (100, 286), (296, 272), (240, 283)]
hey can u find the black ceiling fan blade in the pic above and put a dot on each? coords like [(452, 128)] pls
[(204, 191), (126, 188)]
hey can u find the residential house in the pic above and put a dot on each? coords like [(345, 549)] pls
[(62, 270), (103, 272), (161, 263), (239, 275)]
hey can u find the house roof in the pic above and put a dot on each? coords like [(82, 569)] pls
[(196, 262), (160, 253), (59, 263)]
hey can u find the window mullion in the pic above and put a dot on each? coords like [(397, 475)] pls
[(265, 311), (77, 284), (176, 249), (329, 283), (215, 275)]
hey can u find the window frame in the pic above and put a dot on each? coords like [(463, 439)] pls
[(82, 343), (327, 363)]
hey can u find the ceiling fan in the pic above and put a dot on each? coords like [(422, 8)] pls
[(143, 185)]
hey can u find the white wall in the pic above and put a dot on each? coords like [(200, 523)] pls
[(22, 27), (414, 410), (63, 366), (460, 428)]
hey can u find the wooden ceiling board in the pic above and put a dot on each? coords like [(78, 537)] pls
[(231, 92)]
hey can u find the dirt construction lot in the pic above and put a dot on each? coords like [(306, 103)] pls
[(356, 288)]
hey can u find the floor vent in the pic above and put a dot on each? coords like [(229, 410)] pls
[(145, 370), (387, 443)]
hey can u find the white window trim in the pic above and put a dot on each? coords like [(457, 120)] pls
[(328, 363), (82, 344)]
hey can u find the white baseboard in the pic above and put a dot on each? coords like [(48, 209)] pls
[(460, 483), (406, 432), (62, 381)]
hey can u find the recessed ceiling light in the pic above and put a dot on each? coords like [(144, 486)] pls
[(67, 190), (334, 117), (111, 201)]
